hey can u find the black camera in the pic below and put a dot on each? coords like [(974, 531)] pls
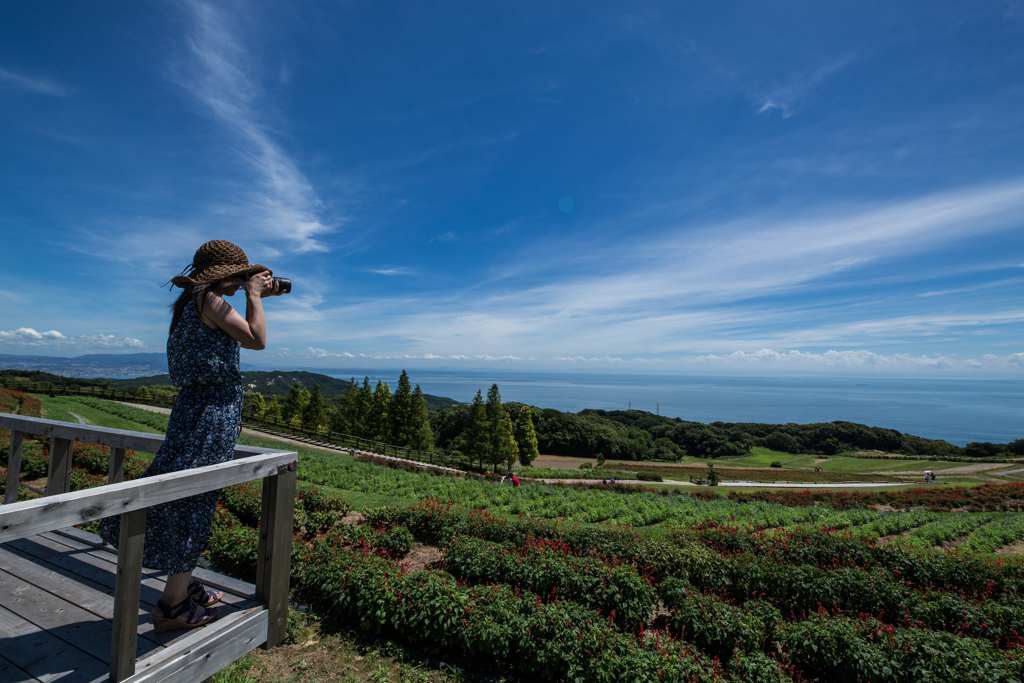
[(284, 284)]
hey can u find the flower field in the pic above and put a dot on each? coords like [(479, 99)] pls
[(632, 584)]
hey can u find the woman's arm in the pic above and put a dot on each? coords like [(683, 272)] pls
[(251, 331)]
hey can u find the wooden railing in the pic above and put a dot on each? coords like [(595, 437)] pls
[(61, 508)]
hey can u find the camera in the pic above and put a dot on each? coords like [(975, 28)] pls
[(284, 284)]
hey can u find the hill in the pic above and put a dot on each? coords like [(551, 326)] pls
[(277, 383)]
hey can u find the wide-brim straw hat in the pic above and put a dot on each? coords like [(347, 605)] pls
[(217, 260)]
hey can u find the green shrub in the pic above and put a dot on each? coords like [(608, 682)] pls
[(776, 463), (649, 476), (395, 542)]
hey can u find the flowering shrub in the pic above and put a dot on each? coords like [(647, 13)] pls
[(984, 498), (232, 546), (858, 649), (717, 627), (543, 568), (493, 627)]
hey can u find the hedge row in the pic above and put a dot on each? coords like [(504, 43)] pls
[(490, 627), (804, 588), (984, 498), (653, 559), (826, 549), (617, 592), (833, 647)]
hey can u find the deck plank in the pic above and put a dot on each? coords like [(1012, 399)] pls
[(10, 673), (43, 655), (60, 618), (236, 593), (212, 579), (56, 605), (96, 567)]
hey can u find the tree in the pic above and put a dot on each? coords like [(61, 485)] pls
[(504, 447), (526, 437), (495, 413), (259, 406), (295, 402), (378, 423), (401, 414), (477, 434), (353, 407), (142, 393), (422, 435), (273, 411), (313, 413)]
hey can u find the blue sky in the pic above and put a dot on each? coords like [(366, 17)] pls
[(645, 187)]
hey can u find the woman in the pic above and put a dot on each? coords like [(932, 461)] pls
[(202, 356)]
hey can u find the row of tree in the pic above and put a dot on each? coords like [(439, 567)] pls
[(489, 432)]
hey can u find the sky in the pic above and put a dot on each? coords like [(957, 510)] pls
[(649, 187)]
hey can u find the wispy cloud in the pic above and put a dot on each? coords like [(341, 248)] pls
[(700, 290), (789, 97), (283, 205), (41, 86), (394, 271)]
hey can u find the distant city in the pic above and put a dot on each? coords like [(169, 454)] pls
[(91, 365)]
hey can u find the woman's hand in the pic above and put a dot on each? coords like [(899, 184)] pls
[(262, 285)]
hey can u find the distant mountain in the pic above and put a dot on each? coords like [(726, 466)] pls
[(277, 383), (93, 364), (90, 365)]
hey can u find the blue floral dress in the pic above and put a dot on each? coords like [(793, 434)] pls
[(202, 430)]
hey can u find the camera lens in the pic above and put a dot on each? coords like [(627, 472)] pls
[(284, 284)]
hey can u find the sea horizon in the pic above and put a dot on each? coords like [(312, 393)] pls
[(956, 410)]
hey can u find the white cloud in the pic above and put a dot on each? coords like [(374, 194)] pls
[(41, 86), (323, 353), (27, 334), (283, 205), (26, 337)]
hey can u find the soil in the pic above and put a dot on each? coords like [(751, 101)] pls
[(1012, 549), (952, 543), (421, 556), (354, 518)]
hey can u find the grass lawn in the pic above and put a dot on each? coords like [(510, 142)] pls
[(60, 408)]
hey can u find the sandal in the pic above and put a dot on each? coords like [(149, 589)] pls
[(173, 619), (198, 592)]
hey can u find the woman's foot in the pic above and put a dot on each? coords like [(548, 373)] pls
[(198, 592), (186, 614)]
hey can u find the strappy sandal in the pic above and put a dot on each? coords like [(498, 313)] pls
[(198, 592), (173, 620)]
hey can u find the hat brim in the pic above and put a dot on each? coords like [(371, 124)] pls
[(217, 273)]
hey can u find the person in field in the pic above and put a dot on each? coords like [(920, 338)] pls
[(203, 345)]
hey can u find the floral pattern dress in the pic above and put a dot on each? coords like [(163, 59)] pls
[(202, 430)]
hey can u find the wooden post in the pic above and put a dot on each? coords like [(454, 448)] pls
[(14, 467), (126, 595), (58, 476), (115, 471), (274, 554)]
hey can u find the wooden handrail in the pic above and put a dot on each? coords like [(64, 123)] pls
[(39, 515)]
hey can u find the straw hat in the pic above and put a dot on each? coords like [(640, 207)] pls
[(217, 260)]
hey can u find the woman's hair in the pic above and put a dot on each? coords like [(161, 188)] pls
[(188, 295)]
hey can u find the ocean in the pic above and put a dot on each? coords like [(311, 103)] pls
[(955, 410)]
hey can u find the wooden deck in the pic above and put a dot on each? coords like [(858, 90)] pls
[(72, 610), (57, 605)]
